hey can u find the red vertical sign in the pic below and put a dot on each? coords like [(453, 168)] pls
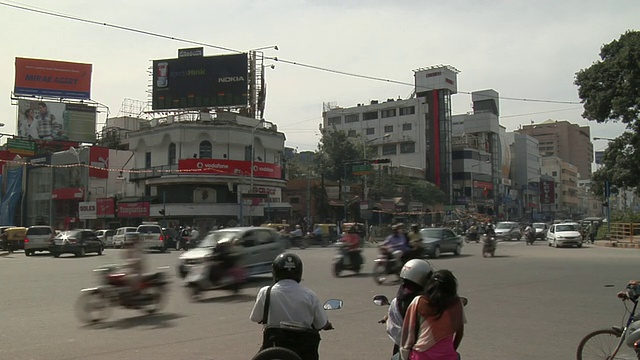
[(99, 159), (547, 192)]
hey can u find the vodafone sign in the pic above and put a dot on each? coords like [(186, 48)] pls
[(229, 167)]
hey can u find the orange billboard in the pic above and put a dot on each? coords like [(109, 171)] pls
[(52, 78)]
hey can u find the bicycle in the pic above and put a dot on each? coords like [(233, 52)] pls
[(608, 343)]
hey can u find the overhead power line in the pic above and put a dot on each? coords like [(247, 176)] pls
[(290, 62)]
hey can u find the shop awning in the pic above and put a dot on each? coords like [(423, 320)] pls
[(137, 199)]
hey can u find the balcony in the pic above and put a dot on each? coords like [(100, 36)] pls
[(153, 172)]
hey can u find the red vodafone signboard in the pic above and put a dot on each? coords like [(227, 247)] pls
[(229, 167)]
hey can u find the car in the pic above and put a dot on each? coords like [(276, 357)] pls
[(152, 237), (436, 241), (564, 234), (541, 230), (119, 236), (78, 242), (508, 230), (258, 246), (38, 238), (106, 236)]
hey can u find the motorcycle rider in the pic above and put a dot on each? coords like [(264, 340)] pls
[(396, 243), (352, 239), (290, 303), (134, 264), (226, 256), (529, 233), (295, 235), (415, 275), (415, 242)]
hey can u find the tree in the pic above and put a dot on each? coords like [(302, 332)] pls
[(335, 149), (609, 91)]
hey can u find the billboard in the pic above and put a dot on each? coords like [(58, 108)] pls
[(547, 192), (229, 167), (45, 120), (87, 210), (105, 208), (99, 159), (200, 82), (134, 209), (37, 77)]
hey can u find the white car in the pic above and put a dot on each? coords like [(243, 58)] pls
[(119, 236), (106, 236), (564, 234)]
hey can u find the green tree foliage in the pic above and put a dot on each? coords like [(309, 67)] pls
[(422, 191), (335, 149), (610, 91)]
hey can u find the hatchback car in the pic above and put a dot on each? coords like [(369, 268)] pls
[(77, 242), (106, 236), (38, 238), (436, 241), (541, 230), (564, 234), (119, 236), (152, 237), (508, 230), (258, 246)]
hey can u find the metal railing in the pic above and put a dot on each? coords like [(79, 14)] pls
[(153, 172)]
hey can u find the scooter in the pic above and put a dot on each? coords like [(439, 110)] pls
[(530, 237), (198, 280), (278, 349), (346, 260), (387, 263), (489, 244), (95, 303)]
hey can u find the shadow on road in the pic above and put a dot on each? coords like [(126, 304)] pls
[(228, 298), (449, 257), (157, 321)]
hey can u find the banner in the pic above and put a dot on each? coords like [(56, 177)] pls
[(67, 194), (99, 158), (134, 209), (87, 210), (105, 208), (229, 167), (12, 195), (52, 78), (46, 120), (547, 192)]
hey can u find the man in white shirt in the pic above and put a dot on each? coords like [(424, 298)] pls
[(291, 306)]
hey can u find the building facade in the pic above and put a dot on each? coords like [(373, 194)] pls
[(565, 175)]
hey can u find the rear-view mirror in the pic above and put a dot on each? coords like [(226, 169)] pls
[(380, 300), (333, 304)]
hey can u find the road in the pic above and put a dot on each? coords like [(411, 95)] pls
[(529, 302)]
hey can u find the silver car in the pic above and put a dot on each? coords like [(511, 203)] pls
[(106, 236), (38, 238), (508, 230), (119, 236)]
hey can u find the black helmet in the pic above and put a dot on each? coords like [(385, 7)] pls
[(287, 266)]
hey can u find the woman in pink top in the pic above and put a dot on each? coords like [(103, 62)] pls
[(434, 324)]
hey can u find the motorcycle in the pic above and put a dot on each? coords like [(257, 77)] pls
[(95, 303), (530, 237), (471, 237), (347, 260), (300, 242), (280, 350), (489, 244), (387, 263), (198, 279)]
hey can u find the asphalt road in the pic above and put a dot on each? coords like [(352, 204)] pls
[(529, 302)]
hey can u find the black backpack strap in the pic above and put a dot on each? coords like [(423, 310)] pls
[(265, 312)]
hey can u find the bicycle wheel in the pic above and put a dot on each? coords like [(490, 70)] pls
[(600, 344)]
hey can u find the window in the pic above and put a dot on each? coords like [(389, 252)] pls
[(388, 129), (334, 120), (172, 154), (294, 200), (147, 160), (388, 113), (389, 149), (408, 148), (406, 127), (371, 131), (351, 133), (371, 115), (409, 110), (205, 150), (247, 153), (554, 173), (351, 118)]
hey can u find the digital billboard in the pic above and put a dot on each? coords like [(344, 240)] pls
[(52, 78), (200, 82), (45, 120)]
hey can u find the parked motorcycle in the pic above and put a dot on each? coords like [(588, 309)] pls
[(346, 260), (489, 244), (281, 348), (198, 280), (95, 303), (387, 263)]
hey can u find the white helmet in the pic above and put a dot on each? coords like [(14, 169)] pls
[(417, 270)]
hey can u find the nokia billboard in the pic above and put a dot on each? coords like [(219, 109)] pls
[(200, 82)]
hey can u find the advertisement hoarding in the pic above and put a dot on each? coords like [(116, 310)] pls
[(22, 147), (229, 167), (87, 210), (46, 120), (133, 209), (105, 208), (200, 82), (99, 159), (52, 78), (547, 192)]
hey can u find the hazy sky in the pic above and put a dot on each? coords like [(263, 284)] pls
[(522, 49)]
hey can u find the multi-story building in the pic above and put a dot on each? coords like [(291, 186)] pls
[(565, 177), (414, 132), (525, 175), (570, 142)]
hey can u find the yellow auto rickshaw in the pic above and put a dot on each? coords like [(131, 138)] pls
[(277, 226), (13, 237), (325, 234)]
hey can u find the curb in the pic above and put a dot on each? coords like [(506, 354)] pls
[(616, 244)]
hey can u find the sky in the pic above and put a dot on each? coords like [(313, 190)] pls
[(528, 50)]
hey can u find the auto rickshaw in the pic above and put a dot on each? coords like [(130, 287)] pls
[(324, 234), (13, 237)]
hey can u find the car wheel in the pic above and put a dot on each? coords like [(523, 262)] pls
[(436, 253), (458, 250), (27, 253), (56, 255), (100, 250), (81, 253)]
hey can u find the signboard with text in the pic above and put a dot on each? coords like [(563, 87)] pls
[(47, 120), (134, 209), (229, 167), (87, 210), (52, 78), (105, 208), (547, 192)]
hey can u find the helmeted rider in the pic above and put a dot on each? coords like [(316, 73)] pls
[(396, 243), (415, 275), (290, 303), (352, 241), (134, 263)]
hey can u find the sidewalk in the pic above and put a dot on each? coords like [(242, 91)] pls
[(618, 244)]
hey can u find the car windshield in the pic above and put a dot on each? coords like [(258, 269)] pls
[(567, 227), (431, 233), (149, 229), (68, 234), (215, 237), (538, 226), (505, 226), (39, 231)]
